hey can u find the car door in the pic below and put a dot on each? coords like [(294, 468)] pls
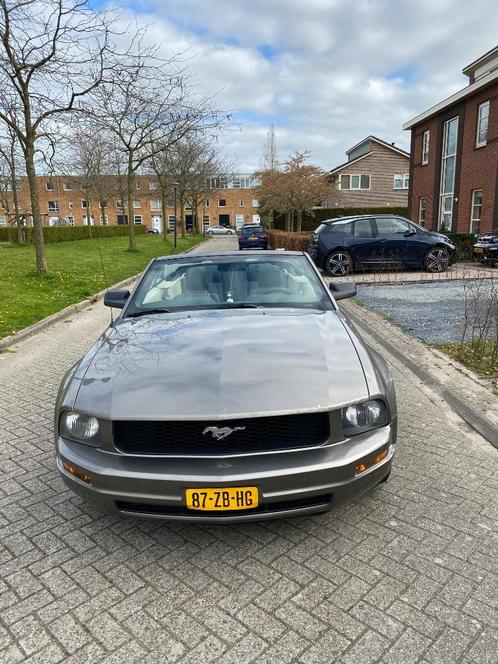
[(363, 241), (393, 239)]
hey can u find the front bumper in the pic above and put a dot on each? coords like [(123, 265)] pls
[(289, 483), (260, 244), (486, 252)]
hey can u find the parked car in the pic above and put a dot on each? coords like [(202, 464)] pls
[(486, 249), (342, 245), (230, 387), (219, 230), (253, 237)]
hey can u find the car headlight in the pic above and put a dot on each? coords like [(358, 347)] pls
[(363, 416), (84, 428)]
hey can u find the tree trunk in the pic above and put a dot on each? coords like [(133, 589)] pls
[(164, 212), (20, 234), (132, 246), (41, 261), (182, 216), (299, 221)]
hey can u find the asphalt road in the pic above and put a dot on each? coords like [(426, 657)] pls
[(404, 574), (432, 311)]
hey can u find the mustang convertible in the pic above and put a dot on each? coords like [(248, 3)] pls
[(230, 387)]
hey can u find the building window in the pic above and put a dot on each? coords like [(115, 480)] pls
[(255, 203), (355, 182), (422, 207), (171, 222), (205, 219), (152, 185), (50, 186), (482, 124), (2, 221), (103, 204), (155, 205), (119, 206), (137, 185), (475, 216), (84, 204), (67, 186), (70, 220), (137, 219), (70, 205), (241, 203), (137, 204), (53, 206), (88, 221), (425, 147), (104, 219), (448, 162), (401, 180), (9, 186), (207, 202), (222, 202)]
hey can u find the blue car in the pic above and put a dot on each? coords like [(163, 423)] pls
[(342, 245), (253, 237)]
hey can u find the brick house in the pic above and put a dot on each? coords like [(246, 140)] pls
[(454, 155), (375, 175), (231, 202)]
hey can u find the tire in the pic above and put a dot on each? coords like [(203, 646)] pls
[(339, 263), (437, 259)]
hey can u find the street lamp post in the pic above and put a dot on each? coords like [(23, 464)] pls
[(175, 185)]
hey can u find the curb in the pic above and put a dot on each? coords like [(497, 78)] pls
[(72, 309), (471, 416)]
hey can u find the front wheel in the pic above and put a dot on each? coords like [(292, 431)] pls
[(437, 260), (339, 263)]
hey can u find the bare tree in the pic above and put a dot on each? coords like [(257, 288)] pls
[(52, 54), (10, 169), (269, 160)]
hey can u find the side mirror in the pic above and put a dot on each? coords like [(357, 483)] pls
[(342, 289), (116, 298), (410, 232)]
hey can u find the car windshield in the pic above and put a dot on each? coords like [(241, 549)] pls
[(225, 282), (253, 230)]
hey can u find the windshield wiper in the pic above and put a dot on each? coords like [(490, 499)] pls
[(144, 312), (237, 305)]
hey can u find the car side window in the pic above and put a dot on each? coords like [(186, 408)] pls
[(340, 227), (363, 228), (391, 226)]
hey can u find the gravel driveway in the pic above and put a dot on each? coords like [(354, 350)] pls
[(429, 311)]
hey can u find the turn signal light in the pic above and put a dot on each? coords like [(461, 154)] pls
[(84, 477), (377, 458)]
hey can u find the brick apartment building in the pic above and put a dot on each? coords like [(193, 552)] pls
[(454, 155), (231, 203), (375, 175)]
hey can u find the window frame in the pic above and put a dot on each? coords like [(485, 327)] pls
[(137, 216), (405, 181), (220, 200), (155, 205), (473, 205), (84, 204), (67, 186), (421, 222), (57, 208), (426, 143), (52, 187), (359, 176), (479, 142)]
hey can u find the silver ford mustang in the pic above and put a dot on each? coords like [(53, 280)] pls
[(230, 387)]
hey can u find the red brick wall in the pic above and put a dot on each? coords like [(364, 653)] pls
[(477, 167)]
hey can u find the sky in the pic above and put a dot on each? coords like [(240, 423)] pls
[(326, 73)]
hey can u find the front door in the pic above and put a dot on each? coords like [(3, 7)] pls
[(157, 222), (224, 220)]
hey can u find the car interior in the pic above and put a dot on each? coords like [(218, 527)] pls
[(258, 282)]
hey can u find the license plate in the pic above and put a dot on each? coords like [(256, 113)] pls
[(253, 237), (222, 499), (478, 250)]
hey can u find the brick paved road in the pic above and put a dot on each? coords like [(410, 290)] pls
[(406, 574)]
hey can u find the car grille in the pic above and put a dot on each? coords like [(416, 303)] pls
[(264, 508), (258, 434)]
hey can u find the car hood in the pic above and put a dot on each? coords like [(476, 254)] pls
[(221, 365)]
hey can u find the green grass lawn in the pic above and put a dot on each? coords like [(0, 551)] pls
[(75, 273)]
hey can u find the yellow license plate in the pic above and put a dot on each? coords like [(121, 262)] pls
[(253, 237), (478, 250), (222, 499)]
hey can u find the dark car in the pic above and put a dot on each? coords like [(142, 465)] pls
[(341, 245), (230, 387), (486, 248), (253, 237)]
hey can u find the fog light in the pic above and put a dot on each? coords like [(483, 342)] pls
[(366, 465), (84, 477)]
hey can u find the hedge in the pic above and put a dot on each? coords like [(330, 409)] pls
[(311, 222), (70, 233), (290, 241)]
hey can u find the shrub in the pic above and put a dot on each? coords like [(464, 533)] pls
[(463, 243), (70, 233), (291, 241)]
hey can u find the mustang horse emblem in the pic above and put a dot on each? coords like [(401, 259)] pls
[(221, 432)]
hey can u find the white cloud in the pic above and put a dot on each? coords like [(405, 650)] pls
[(334, 71)]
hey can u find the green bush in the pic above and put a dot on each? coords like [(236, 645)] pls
[(310, 222), (290, 241), (463, 243), (70, 233)]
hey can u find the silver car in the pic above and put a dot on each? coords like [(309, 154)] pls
[(231, 387), (219, 230)]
